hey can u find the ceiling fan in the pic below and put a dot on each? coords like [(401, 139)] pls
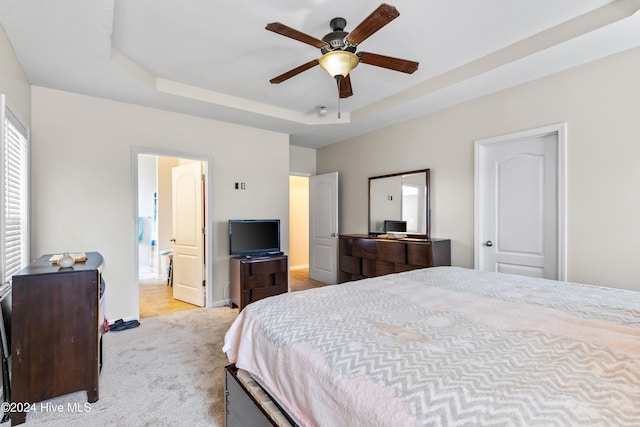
[(339, 48)]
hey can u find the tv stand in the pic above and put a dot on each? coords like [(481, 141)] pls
[(252, 279)]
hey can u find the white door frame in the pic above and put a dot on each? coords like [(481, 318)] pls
[(560, 129), (207, 161)]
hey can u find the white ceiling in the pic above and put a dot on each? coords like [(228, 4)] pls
[(214, 58)]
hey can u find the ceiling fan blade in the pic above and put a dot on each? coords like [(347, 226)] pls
[(380, 17), (292, 33), (344, 87), (389, 62), (294, 72)]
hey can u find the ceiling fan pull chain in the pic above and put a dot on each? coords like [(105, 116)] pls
[(338, 81)]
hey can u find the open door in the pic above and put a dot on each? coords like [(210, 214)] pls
[(323, 228), (188, 234)]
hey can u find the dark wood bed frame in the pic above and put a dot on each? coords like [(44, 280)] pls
[(242, 408)]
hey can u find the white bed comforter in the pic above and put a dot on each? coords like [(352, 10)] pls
[(447, 346)]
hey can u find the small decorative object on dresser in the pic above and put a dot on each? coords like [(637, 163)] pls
[(66, 260)]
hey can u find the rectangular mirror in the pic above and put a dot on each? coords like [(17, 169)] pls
[(400, 202)]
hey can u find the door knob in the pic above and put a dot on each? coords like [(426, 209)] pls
[(172, 240), (488, 243)]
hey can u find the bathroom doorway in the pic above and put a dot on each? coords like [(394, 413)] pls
[(155, 235)]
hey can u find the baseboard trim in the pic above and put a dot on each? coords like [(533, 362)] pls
[(220, 303)]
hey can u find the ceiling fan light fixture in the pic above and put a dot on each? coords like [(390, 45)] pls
[(339, 63), (321, 110)]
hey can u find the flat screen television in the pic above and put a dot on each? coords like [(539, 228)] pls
[(393, 225), (254, 237)]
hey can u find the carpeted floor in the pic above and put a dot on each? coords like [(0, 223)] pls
[(167, 372)]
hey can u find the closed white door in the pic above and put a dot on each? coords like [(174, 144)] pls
[(323, 227), (188, 234), (519, 206)]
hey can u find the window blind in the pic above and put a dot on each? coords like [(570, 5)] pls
[(14, 194)]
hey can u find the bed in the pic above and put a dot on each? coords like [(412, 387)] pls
[(446, 346)]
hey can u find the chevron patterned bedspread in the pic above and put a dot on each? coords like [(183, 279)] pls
[(447, 346)]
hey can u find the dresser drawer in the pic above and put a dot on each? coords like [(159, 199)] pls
[(350, 264), (364, 248), (394, 252), (267, 291), (268, 267), (419, 254)]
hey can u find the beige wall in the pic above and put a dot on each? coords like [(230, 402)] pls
[(13, 81), (302, 160), (598, 101), (299, 221), (82, 183)]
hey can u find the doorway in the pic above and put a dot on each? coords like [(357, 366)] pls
[(155, 233), (520, 189), (299, 234)]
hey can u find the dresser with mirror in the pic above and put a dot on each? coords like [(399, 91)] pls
[(399, 225)]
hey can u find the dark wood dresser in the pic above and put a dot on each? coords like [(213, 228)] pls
[(56, 331), (362, 256), (252, 279)]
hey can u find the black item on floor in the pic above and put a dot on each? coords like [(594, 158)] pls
[(121, 325)]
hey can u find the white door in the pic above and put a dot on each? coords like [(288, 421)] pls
[(323, 227), (519, 206), (188, 234)]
